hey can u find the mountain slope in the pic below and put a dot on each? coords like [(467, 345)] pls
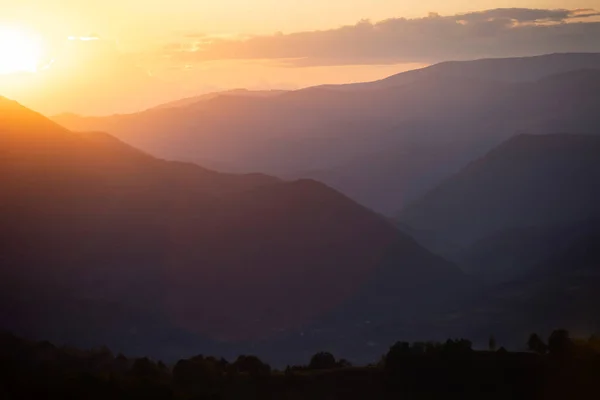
[(560, 291), (86, 219), (341, 136), (209, 96), (527, 181), (515, 252), (516, 69)]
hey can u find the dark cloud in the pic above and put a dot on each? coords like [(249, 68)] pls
[(519, 15), (491, 33)]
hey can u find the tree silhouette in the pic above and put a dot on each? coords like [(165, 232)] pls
[(559, 343), (343, 363), (251, 365), (492, 343), (457, 347), (536, 344), (322, 360), (144, 368), (396, 356)]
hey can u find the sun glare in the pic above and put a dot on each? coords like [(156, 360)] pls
[(19, 51)]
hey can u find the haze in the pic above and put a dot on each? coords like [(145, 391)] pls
[(144, 54), (299, 199)]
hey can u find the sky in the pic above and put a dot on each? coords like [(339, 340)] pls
[(139, 53)]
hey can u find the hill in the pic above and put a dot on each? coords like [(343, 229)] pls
[(189, 101), (530, 180), (562, 289), (102, 243), (429, 126), (516, 252), (515, 69)]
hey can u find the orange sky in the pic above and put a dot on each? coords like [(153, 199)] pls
[(137, 62)]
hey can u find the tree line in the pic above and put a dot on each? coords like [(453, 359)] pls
[(559, 364)]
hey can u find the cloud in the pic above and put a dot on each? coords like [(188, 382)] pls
[(490, 33)]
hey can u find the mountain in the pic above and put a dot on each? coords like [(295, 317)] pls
[(387, 179), (430, 126), (102, 243), (209, 96), (516, 69), (560, 291), (530, 180), (581, 257), (513, 253)]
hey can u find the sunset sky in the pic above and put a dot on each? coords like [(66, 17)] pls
[(126, 55)]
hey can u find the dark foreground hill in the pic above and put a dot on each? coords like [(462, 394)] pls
[(100, 242)]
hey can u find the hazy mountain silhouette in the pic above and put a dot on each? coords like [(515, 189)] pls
[(516, 69), (385, 179), (530, 180), (209, 96), (560, 290), (515, 252), (429, 126), (581, 257), (99, 240)]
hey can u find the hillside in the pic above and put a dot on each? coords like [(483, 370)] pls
[(529, 180), (189, 101), (103, 243), (516, 252), (561, 290), (344, 137), (515, 69)]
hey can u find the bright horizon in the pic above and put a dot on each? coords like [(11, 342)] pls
[(128, 55)]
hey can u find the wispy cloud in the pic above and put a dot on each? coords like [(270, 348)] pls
[(497, 32)]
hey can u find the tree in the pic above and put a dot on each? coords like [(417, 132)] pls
[(559, 343), (251, 365), (536, 344), (492, 343), (146, 369), (396, 356), (457, 347), (196, 371), (343, 363), (322, 360)]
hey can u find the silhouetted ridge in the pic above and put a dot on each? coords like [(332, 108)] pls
[(586, 76), (385, 143), (94, 231), (530, 180)]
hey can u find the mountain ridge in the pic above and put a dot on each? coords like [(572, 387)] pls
[(85, 218), (336, 135), (507, 188)]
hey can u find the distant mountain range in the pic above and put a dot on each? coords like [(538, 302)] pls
[(560, 291), (530, 180), (516, 69), (383, 143), (209, 96), (494, 231), (513, 253), (101, 243)]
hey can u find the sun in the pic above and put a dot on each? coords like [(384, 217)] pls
[(20, 51)]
